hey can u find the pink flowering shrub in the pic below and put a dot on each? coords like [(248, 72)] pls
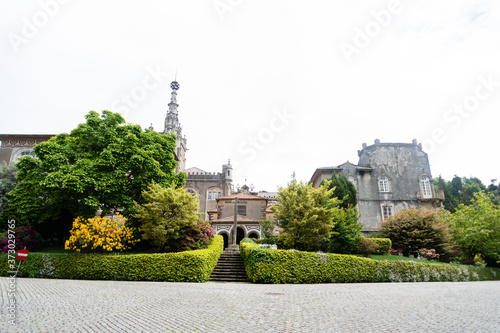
[(393, 252), (428, 254), (205, 234), (24, 238), (195, 237), (367, 247)]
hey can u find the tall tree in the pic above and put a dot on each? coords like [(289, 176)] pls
[(305, 214), (343, 190), (7, 183), (102, 164), (476, 228), (494, 190), (460, 190)]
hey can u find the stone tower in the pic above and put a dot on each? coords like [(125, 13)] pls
[(172, 125), (389, 177)]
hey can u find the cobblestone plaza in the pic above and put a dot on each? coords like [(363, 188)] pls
[(119, 306)]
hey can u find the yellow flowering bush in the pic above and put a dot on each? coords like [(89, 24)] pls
[(100, 234)]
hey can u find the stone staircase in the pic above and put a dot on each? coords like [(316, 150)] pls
[(229, 268)]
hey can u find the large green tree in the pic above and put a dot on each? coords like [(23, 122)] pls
[(343, 189), (102, 164), (7, 183), (460, 190), (305, 214), (494, 190), (476, 228)]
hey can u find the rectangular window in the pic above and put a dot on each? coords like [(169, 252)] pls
[(387, 211), (425, 186), (242, 210), (383, 184)]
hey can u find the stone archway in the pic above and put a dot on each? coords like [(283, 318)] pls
[(240, 234), (225, 236), (253, 235)]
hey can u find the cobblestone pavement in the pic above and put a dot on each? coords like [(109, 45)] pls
[(118, 306)]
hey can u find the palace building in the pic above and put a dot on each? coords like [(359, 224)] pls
[(389, 177)]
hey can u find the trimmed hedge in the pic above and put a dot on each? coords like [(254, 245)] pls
[(384, 244), (188, 266), (282, 266)]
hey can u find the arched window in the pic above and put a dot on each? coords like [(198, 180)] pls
[(425, 187), (28, 153), (191, 190), (214, 193), (383, 184)]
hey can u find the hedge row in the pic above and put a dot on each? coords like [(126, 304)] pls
[(188, 266), (384, 244), (282, 266)]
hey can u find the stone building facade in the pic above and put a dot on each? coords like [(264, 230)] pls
[(14, 146), (251, 209), (209, 186), (389, 177)]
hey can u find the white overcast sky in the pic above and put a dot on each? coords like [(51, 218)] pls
[(275, 86)]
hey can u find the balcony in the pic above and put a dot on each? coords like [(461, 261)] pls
[(437, 196)]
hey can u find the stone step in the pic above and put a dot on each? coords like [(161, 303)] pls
[(231, 279), (229, 268), (231, 262), (228, 277)]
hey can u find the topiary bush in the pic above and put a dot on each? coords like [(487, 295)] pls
[(281, 266), (384, 245), (188, 266)]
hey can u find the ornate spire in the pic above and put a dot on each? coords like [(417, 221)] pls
[(172, 121), (172, 125)]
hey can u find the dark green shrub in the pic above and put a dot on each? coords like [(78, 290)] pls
[(188, 266), (346, 234)]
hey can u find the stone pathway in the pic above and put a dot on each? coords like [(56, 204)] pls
[(117, 306)]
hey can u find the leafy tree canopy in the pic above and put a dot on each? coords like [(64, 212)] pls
[(460, 190), (343, 189), (476, 227), (305, 214), (7, 183), (165, 214), (102, 164)]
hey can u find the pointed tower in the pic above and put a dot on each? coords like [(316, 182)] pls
[(172, 125)]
